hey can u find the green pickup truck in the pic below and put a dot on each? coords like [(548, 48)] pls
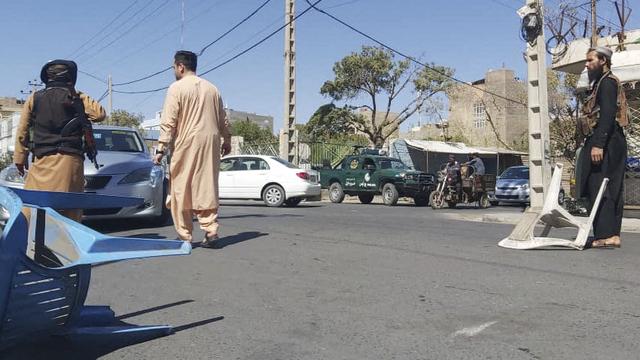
[(369, 175)]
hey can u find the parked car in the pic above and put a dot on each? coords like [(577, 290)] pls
[(369, 174), (126, 169), (512, 186), (268, 178)]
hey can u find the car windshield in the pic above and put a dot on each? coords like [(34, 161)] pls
[(515, 173), (392, 164), (284, 162), (117, 140)]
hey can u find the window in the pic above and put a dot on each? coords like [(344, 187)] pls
[(255, 164), (227, 164), (117, 140), (479, 115)]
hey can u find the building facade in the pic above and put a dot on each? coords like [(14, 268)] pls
[(478, 118), (10, 110)]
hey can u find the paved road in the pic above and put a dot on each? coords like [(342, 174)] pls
[(351, 281)]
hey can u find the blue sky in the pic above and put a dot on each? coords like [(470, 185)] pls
[(470, 36)]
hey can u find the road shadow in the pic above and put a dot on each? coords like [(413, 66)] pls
[(115, 225), (258, 216), (92, 347), (233, 239)]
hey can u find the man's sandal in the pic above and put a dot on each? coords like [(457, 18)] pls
[(209, 242)]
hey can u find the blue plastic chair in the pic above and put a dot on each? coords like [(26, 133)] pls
[(45, 295)]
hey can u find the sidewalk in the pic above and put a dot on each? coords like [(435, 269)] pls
[(631, 225)]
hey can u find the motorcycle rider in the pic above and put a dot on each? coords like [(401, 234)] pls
[(453, 171)]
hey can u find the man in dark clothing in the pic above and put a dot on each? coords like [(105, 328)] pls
[(453, 170), (605, 150)]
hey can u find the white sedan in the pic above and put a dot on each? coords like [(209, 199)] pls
[(274, 180)]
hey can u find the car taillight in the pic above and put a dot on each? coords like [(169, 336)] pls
[(303, 175)]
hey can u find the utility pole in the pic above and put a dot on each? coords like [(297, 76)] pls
[(290, 83), (34, 84), (594, 25), (538, 112), (110, 90)]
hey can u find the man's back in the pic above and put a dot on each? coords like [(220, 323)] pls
[(195, 105)]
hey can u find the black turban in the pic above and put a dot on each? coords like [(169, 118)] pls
[(59, 71)]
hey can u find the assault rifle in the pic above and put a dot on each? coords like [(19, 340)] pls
[(80, 122)]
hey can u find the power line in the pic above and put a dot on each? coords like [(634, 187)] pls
[(130, 28), (204, 48), (263, 40), (167, 33), (105, 36), (103, 29), (234, 27), (411, 58), (92, 76), (235, 56), (104, 95)]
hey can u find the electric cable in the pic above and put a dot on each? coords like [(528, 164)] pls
[(103, 29), (412, 59), (106, 92), (203, 49), (235, 56), (92, 76), (129, 19), (130, 28)]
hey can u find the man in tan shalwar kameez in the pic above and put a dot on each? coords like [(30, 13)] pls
[(193, 123), (59, 160)]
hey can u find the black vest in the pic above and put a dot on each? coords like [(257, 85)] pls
[(52, 110)]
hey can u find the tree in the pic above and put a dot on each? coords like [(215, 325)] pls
[(124, 118), (563, 106), (373, 74), (331, 124), (252, 132)]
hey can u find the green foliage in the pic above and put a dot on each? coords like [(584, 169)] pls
[(563, 106), (374, 74), (332, 124), (6, 159), (124, 118), (251, 132)]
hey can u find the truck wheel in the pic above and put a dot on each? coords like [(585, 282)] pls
[(273, 195), (336, 195), (365, 198), (421, 200), (436, 199), (390, 194), (483, 202)]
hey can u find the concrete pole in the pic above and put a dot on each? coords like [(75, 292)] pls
[(110, 89), (538, 115), (291, 137), (594, 25)]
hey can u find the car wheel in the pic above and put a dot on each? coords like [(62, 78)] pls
[(436, 199), (293, 202), (273, 195), (365, 198), (421, 200), (336, 195), (484, 202), (561, 197), (390, 194)]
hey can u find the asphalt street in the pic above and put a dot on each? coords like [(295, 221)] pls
[(352, 281)]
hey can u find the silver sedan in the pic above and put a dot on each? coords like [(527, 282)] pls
[(125, 169)]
